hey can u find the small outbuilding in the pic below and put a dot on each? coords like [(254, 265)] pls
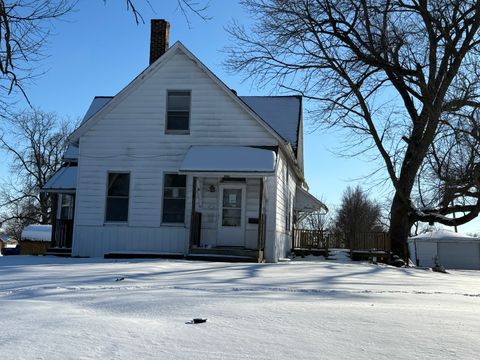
[(35, 239), (453, 250)]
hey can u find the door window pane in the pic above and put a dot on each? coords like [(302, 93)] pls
[(232, 207), (232, 198)]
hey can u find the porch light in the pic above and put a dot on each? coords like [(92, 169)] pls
[(212, 189)]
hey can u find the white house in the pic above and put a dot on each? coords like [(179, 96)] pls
[(177, 164)]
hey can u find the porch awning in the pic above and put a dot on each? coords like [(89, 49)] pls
[(64, 180), (228, 159), (307, 203)]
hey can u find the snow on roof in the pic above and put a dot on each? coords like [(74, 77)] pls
[(64, 179), (282, 113), (443, 235), (37, 233), (97, 104), (228, 159), (306, 202), (71, 153)]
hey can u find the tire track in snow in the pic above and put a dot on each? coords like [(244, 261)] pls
[(40, 290)]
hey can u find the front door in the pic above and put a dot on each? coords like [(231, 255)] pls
[(231, 225)]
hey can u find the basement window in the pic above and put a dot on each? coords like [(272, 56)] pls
[(118, 189), (178, 112)]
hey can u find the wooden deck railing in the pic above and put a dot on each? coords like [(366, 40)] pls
[(370, 241), (317, 239), (321, 240)]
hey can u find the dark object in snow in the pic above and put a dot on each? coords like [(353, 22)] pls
[(196, 321), (438, 267), (397, 261), (120, 279)]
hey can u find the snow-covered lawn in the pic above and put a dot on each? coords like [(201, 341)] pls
[(54, 308)]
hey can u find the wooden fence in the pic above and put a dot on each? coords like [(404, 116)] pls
[(379, 241), (317, 239), (321, 240)]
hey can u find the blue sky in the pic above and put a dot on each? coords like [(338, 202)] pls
[(98, 49)]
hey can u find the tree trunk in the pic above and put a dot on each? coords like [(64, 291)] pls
[(399, 227)]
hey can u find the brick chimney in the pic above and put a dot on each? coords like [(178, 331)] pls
[(159, 36)]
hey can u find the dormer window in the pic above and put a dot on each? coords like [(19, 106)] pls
[(178, 112)]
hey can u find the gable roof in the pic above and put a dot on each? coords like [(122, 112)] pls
[(282, 113), (97, 104), (178, 46)]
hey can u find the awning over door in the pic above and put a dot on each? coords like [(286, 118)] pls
[(307, 203), (228, 159), (64, 180)]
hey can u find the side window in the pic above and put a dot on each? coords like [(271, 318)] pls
[(117, 197), (65, 211), (178, 111), (174, 189)]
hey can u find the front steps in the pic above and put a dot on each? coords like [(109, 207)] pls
[(61, 252)]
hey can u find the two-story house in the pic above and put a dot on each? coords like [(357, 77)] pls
[(177, 164)]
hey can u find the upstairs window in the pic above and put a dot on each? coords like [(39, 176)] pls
[(174, 189), (178, 111), (117, 197)]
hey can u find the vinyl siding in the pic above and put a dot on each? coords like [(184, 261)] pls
[(284, 189), (208, 204), (131, 137)]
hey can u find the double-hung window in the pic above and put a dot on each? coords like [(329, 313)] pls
[(117, 197), (174, 188), (178, 111)]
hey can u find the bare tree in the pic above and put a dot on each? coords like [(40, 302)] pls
[(25, 28), (36, 143), (186, 7), (390, 71), (448, 182), (317, 220), (357, 213)]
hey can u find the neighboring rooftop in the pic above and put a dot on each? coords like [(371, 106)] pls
[(443, 235), (37, 233)]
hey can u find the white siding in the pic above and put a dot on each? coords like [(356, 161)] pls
[(131, 137), (252, 211), (270, 191), (285, 196), (208, 205), (210, 212)]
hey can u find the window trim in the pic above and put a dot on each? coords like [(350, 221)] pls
[(173, 131), (173, 224), (113, 222)]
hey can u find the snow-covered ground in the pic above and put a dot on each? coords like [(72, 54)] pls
[(54, 308)]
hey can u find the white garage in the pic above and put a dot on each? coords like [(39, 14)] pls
[(454, 251)]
